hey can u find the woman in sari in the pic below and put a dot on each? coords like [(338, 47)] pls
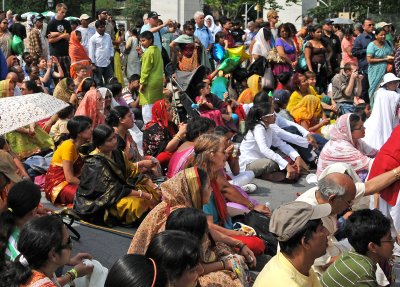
[(7, 88), (119, 38), (254, 87), (161, 137), (5, 38), (92, 106), (78, 54), (190, 49), (302, 89), (385, 115), (62, 177), (185, 152), (346, 145), (112, 189), (65, 91), (189, 188), (122, 120), (379, 55), (85, 85)]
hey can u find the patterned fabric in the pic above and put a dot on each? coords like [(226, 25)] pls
[(352, 269), (5, 44), (4, 88), (35, 43), (89, 107), (12, 250), (307, 109), (62, 92), (27, 109), (38, 279), (342, 148)]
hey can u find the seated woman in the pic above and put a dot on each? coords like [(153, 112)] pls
[(280, 102), (92, 106), (161, 137), (122, 119), (256, 152), (47, 236), (59, 131), (210, 106), (112, 189), (62, 177), (254, 87), (7, 88), (178, 253), (136, 270), (85, 85), (185, 152), (301, 89), (65, 91), (189, 188), (385, 115), (346, 145), (47, 73)]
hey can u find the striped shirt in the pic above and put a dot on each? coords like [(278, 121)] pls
[(352, 269)]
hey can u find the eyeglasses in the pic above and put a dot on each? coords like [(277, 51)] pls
[(68, 245), (349, 203), (275, 17), (391, 240), (369, 25), (268, 116), (359, 129)]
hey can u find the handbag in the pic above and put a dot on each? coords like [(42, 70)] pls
[(302, 64), (268, 79), (260, 224)]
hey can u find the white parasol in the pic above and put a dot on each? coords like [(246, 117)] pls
[(19, 111)]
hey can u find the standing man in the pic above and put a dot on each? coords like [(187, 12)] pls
[(226, 24), (86, 31), (102, 14), (333, 40), (101, 52), (157, 30), (35, 41), (58, 33), (360, 51), (203, 33)]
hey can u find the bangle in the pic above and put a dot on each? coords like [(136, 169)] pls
[(73, 274), (241, 247), (140, 193), (250, 206), (396, 173), (70, 278), (237, 244), (223, 265), (177, 137)]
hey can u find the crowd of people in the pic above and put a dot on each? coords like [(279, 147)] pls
[(274, 103)]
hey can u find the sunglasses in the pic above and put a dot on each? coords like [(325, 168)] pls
[(369, 25), (68, 245), (267, 116)]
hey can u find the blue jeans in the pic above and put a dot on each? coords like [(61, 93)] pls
[(345, 108)]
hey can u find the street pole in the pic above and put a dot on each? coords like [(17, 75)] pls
[(245, 15), (3, 5)]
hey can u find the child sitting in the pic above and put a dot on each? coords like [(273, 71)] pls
[(59, 131), (280, 101)]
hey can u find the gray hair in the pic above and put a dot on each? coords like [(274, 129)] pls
[(197, 14), (328, 187)]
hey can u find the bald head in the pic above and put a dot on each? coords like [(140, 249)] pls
[(12, 76)]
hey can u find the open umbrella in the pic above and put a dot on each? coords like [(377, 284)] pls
[(16, 112), (28, 14), (342, 21), (48, 14)]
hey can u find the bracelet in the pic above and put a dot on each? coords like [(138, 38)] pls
[(177, 137), (396, 173), (237, 244), (223, 265), (73, 274), (70, 277), (140, 193), (250, 206), (241, 247)]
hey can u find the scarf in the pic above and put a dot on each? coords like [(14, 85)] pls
[(76, 51), (4, 87), (308, 108), (159, 115), (62, 92), (88, 107)]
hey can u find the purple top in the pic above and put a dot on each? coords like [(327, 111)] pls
[(289, 49)]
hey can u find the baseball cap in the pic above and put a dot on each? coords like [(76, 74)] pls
[(153, 14), (36, 18), (84, 17), (327, 21), (382, 24), (281, 96), (8, 167), (290, 218)]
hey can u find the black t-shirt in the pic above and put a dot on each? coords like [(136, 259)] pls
[(19, 30), (59, 48), (238, 35)]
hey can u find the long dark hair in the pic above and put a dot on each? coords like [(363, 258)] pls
[(255, 114), (38, 237), (116, 114), (191, 220), (100, 134), (22, 198)]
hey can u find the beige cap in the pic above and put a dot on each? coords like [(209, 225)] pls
[(8, 167), (84, 17), (382, 24), (290, 218)]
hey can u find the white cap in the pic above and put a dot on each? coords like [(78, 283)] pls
[(84, 17), (389, 77)]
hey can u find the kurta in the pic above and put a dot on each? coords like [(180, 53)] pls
[(151, 76)]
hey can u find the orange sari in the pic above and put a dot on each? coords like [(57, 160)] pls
[(78, 55)]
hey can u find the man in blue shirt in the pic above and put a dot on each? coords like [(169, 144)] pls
[(203, 33), (360, 51), (157, 30)]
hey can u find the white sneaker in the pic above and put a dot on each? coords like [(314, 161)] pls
[(249, 188)]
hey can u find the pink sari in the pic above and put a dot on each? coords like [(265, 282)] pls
[(178, 161)]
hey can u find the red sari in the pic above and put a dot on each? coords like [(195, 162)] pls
[(78, 55)]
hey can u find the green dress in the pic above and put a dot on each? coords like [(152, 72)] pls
[(151, 76)]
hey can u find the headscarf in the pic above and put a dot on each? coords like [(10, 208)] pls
[(159, 115), (383, 119), (342, 148), (181, 191), (103, 92), (387, 159), (62, 91), (308, 108), (4, 87), (214, 28), (79, 89), (265, 46), (247, 96), (76, 50), (88, 107)]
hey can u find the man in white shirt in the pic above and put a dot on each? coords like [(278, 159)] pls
[(86, 31), (101, 52)]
